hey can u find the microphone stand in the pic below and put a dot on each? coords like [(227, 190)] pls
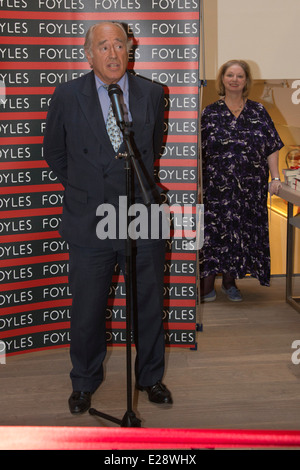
[(129, 419)]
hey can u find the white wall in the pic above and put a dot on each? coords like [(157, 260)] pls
[(263, 32)]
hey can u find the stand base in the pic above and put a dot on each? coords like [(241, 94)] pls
[(129, 419)]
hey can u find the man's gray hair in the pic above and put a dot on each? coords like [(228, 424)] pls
[(89, 35)]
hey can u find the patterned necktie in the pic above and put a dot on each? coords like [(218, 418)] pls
[(113, 129)]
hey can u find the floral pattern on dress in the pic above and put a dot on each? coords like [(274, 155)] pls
[(235, 189)]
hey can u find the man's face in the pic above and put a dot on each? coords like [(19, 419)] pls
[(108, 54)]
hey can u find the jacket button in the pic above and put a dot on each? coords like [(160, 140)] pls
[(85, 150)]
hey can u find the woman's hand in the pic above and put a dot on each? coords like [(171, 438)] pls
[(274, 187)]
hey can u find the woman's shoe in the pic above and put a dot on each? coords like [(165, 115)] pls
[(210, 297), (233, 294)]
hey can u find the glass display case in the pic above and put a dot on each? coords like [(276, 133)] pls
[(289, 159)]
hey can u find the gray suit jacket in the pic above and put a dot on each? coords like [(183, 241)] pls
[(77, 148)]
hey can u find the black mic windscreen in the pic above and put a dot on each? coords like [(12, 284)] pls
[(114, 88), (116, 95)]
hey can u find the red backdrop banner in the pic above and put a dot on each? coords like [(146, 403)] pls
[(42, 46)]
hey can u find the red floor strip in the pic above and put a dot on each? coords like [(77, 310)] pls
[(97, 438)]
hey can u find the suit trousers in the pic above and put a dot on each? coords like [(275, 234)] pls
[(90, 277)]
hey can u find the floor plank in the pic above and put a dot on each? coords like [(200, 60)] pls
[(240, 376)]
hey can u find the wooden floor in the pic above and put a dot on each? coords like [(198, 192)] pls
[(240, 377)]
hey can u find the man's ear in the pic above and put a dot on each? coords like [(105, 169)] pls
[(89, 58)]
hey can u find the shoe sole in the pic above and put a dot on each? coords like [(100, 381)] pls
[(79, 412), (209, 299)]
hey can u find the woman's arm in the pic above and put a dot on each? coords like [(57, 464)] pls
[(275, 184)]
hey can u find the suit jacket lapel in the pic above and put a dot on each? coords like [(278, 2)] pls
[(89, 102), (137, 105)]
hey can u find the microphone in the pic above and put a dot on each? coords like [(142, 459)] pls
[(116, 96)]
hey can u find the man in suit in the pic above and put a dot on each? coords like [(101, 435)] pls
[(78, 149)]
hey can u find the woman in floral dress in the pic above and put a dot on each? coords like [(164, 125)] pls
[(240, 146)]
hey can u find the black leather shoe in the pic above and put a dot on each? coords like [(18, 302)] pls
[(79, 402), (157, 393)]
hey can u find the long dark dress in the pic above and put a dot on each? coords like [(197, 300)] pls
[(235, 190)]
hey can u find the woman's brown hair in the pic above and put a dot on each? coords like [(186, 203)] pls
[(219, 82)]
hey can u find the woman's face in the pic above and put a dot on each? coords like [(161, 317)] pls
[(234, 79)]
